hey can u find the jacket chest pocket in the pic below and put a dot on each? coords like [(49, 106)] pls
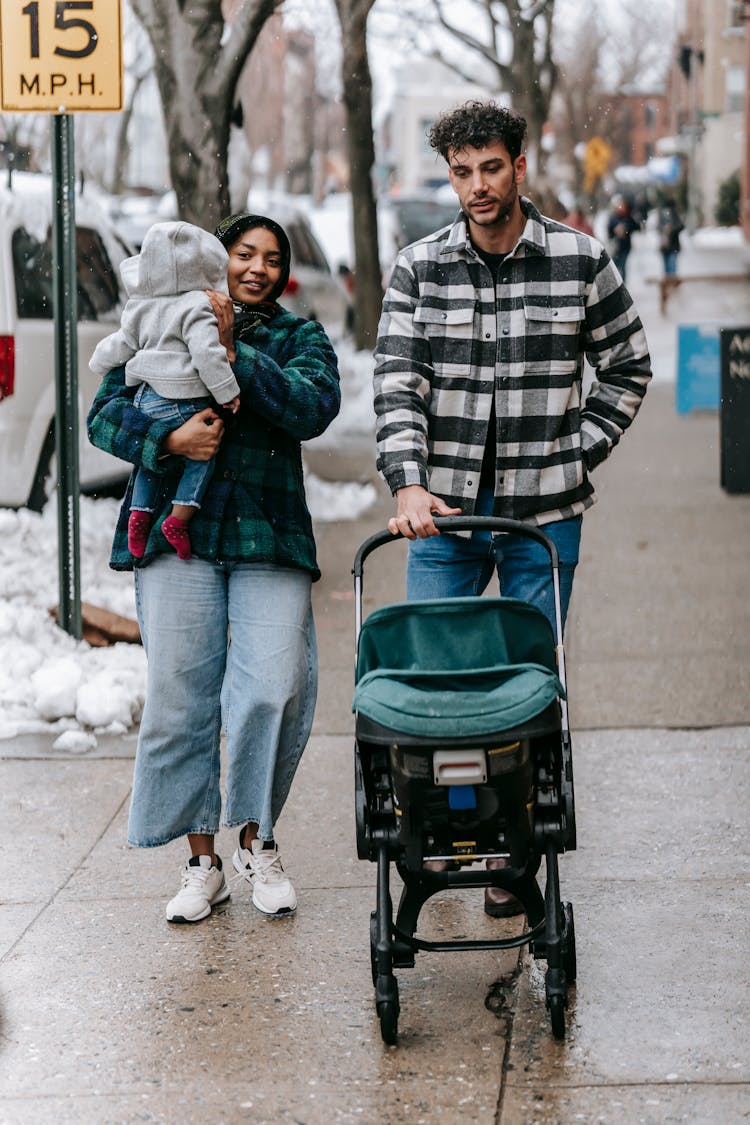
[(552, 331), (449, 332)]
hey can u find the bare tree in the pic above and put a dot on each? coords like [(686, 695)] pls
[(197, 68), (507, 41), (602, 54), (357, 90)]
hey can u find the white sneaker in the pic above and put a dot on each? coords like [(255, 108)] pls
[(203, 886), (273, 892)]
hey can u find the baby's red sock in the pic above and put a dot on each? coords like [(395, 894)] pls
[(139, 525), (176, 532)]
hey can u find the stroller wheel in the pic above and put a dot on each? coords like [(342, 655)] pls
[(388, 1015), (387, 1006), (373, 947), (557, 1015), (569, 943)]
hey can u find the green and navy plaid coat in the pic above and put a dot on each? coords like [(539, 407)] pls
[(254, 509)]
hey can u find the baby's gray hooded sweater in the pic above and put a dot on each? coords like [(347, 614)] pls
[(169, 336)]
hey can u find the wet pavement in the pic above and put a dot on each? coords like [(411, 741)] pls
[(110, 1015)]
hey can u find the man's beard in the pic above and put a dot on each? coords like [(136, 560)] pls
[(504, 212)]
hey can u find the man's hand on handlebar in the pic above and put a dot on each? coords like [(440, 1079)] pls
[(416, 507)]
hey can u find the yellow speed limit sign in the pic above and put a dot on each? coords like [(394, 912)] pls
[(60, 56)]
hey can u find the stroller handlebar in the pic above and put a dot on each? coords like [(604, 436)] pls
[(462, 523)]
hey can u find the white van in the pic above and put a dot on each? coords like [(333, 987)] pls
[(27, 348)]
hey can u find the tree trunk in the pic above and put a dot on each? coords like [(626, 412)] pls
[(532, 79), (197, 77), (357, 88), (122, 150)]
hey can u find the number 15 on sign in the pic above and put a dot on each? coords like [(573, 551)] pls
[(60, 56)]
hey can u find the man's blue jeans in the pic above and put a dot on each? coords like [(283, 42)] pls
[(229, 645), (451, 566)]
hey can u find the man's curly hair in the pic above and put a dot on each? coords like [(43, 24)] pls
[(477, 124)]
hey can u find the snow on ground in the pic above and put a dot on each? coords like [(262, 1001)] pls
[(50, 682)]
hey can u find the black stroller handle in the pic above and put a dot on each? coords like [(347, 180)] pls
[(461, 523)]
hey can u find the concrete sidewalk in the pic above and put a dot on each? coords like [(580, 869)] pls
[(109, 1015)]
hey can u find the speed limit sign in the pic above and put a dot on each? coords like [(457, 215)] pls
[(60, 56)]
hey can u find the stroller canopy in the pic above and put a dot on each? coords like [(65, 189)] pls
[(455, 667)]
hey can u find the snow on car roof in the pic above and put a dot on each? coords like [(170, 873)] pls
[(27, 201)]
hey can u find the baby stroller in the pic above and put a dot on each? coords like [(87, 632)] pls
[(463, 753)]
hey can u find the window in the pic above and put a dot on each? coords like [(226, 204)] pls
[(32, 267), (735, 89), (98, 287), (306, 250), (738, 11)]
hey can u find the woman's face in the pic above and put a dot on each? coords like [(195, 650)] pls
[(254, 266)]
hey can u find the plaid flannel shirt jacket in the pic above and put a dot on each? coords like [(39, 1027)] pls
[(449, 340)]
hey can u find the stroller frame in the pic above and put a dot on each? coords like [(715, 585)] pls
[(550, 934)]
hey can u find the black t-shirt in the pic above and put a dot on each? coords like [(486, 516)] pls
[(487, 475)]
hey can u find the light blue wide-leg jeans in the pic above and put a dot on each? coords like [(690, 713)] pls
[(232, 646)]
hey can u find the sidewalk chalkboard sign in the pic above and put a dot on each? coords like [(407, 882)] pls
[(735, 409)]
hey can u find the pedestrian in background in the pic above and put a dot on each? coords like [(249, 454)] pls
[(229, 633), (620, 230), (670, 227), (478, 379), (576, 218)]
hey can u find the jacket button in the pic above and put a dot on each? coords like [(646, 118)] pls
[(227, 474), (506, 331), (487, 335)]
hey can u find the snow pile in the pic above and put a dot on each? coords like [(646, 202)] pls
[(48, 680), (51, 682)]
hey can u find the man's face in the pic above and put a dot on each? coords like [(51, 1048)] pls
[(486, 182)]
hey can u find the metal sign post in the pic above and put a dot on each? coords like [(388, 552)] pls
[(59, 58), (65, 297)]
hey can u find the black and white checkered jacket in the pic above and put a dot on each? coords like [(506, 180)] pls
[(449, 340)]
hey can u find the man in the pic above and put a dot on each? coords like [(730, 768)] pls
[(478, 377), (620, 228)]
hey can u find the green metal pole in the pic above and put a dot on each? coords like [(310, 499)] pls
[(66, 371)]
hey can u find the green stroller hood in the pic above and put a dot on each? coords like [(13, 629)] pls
[(456, 667)]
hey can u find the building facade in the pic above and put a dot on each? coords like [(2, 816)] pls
[(708, 97)]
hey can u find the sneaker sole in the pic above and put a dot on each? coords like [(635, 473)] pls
[(282, 912), (181, 920)]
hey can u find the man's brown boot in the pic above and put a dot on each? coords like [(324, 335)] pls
[(499, 903)]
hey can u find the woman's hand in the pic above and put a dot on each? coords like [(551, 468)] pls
[(199, 438), (223, 308)]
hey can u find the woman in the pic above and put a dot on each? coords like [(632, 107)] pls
[(229, 634)]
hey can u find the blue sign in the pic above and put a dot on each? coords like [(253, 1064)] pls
[(698, 367), (665, 169)]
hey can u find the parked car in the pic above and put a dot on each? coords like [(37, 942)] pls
[(314, 291), (132, 214), (27, 351), (403, 219)]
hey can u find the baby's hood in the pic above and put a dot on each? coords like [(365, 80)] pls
[(175, 258)]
